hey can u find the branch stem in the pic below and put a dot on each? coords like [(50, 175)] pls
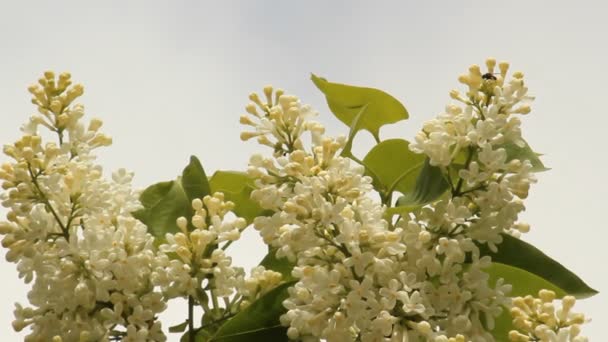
[(191, 319)]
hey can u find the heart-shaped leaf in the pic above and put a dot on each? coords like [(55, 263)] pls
[(346, 102)]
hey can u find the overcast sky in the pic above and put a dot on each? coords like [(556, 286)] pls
[(171, 78)]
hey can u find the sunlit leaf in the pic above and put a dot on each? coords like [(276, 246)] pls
[(237, 187), (524, 283), (394, 165), (502, 325), (355, 126), (346, 102)]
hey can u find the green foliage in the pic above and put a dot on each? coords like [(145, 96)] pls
[(522, 255), (524, 283), (179, 327), (194, 180), (430, 185), (394, 165), (347, 102), (502, 325), (283, 265), (237, 187), (523, 153), (259, 321), (164, 202), (200, 335), (355, 127), (529, 270)]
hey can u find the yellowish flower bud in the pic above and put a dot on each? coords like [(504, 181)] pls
[(95, 124), (491, 64)]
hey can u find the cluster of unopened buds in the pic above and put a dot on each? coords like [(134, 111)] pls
[(538, 319)]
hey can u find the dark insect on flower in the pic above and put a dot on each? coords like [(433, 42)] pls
[(488, 76)]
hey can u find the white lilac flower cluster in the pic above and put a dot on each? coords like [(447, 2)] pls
[(95, 271), (70, 230), (470, 142), (201, 262), (198, 255), (363, 278), (537, 319)]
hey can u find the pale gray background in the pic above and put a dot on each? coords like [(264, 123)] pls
[(171, 78)]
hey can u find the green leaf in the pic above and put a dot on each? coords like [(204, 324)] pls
[(200, 335), (524, 283), (430, 185), (518, 253), (179, 327), (355, 126), (283, 265), (401, 209), (277, 333), (523, 153), (237, 187), (259, 321), (394, 165), (164, 202), (194, 180), (155, 193), (346, 102), (502, 325)]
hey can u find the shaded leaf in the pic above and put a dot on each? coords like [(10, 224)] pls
[(259, 320), (282, 265), (430, 185), (523, 153), (518, 253), (154, 194), (179, 327), (277, 333), (237, 187), (194, 180), (346, 102), (200, 335), (165, 202)]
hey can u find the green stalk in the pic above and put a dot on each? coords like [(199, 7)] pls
[(190, 319)]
